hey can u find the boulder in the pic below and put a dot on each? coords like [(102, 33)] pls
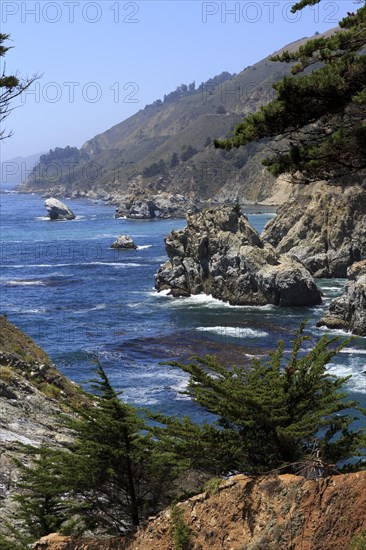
[(57, 210), (326, 232), (141, 210), (124, 241), (221, 254), (348, 312)]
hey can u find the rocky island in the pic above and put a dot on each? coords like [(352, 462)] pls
[(220, 254), (57, 210)]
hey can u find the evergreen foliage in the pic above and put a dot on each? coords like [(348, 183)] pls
[(188, 153), (113, 475), (270, 415), (319, 116), (180, 531), (154, 169), (174, 161), (119, 469)]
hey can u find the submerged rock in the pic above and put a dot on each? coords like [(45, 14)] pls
[(326, 232), (124, 241), (221, 254), (348, 312), (57, 210)]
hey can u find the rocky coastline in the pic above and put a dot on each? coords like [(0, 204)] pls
[(325, 230), (219, 253), (348, 312)]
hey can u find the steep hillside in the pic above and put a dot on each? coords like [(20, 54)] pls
[(167, 146), (269, 513), (33, 396)]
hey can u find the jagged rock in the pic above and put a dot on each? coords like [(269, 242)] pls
[(356, 270), (219, 253), (141, 210), (348, 312), (124, 241), (327, 232), (57, 210), (162, 205)]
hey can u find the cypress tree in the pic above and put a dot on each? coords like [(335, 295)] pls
[(318, 115), (270, 415)]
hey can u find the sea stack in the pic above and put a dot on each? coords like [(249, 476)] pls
[(125, 242), (221, 254), (57, 210)]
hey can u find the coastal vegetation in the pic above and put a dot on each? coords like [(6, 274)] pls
[(317, 117), (284, 414)]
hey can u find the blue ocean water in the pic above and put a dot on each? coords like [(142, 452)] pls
[(79, 299)]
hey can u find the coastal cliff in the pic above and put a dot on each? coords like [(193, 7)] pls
[(325, 230), (33, 396)]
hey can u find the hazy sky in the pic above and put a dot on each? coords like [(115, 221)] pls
[(103, 61)]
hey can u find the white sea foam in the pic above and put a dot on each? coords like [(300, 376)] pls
[(27, 283), (111, 264), (180, 387), (95, 308), (353, 351), (332, 288), (27, 311), (335, 332), (235, 332), (209, 301), (357, 382), (142, 247)]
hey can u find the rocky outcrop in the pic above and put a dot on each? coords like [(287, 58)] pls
[(147, 204), (356, 270), (124, 242), (348, 312), (219, 253), (57, 210), (34, 396), (326, 232), (282, 512)]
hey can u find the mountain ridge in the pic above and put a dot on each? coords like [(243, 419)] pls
[(167, 146)]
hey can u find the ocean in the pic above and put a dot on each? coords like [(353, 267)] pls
[(80, 300)]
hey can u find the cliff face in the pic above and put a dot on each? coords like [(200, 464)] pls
[(348, 312), (33, 395), (269, 513), (326, 230)]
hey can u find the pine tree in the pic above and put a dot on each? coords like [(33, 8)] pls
[(114, 474), (270, 415), (174, 161), (318, 116)]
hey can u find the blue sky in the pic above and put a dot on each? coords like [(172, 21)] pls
[(104, 60)]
